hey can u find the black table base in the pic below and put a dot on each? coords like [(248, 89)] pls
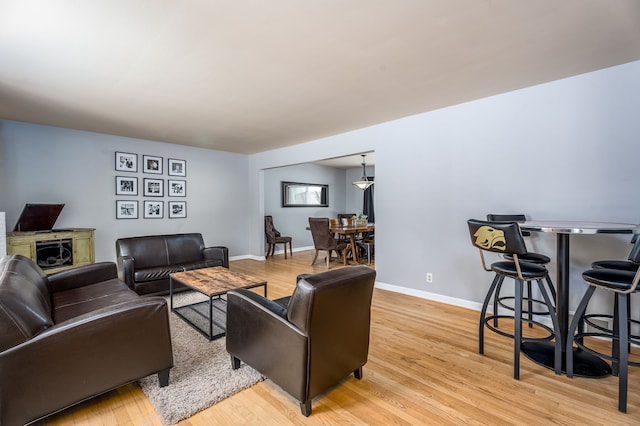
[(584, 363)]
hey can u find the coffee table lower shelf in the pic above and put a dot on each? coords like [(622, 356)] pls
[(209, 317), (206, 317)]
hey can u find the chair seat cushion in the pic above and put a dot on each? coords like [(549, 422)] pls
[(279, 240), (538, 258), (623, 265), (616, 280), (529, 270)]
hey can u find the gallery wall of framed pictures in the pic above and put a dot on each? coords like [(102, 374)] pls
[(154, 189)]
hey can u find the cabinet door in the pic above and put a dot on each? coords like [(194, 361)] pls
[(82, 251), (23, 249)]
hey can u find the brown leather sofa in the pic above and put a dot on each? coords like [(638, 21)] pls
[(310, 341), (145, 263), (73, 335)]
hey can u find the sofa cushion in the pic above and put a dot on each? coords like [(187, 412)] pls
[(157, 273), (148, 252), (25, 307), (205, 263), (72, 303), (184, 248)]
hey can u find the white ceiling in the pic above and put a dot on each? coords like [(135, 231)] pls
[(248, 76)]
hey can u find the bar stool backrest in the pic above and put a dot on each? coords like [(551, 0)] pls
[(508, 218), (634, 255), (497, 237)]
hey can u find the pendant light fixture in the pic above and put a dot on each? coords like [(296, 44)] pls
[(363, 183)]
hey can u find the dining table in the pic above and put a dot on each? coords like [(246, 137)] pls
[(351, 231), (585, 364)]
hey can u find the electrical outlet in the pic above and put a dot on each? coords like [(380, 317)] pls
[(429, 277)]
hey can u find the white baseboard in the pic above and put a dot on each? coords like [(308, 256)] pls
[(430, 296), (250, 256)]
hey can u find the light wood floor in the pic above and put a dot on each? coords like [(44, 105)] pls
[(423, 368)]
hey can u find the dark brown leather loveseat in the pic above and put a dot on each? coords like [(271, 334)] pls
[(73, 335), (145, 263), (310, 341)]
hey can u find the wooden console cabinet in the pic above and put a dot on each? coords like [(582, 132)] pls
[(77, 242)]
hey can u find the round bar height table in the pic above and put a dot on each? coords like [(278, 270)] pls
[(585, 364)]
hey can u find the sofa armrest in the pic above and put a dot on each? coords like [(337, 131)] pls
[(258, 335), (126, 268), (82, 276), (217, 253), (84, 357)]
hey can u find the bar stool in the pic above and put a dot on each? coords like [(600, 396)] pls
[(622, 284), (532, 257), (506, 238), (622, 265)]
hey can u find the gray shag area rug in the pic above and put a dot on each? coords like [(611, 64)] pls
[(201, 375)]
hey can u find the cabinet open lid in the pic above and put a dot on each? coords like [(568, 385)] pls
[(38, 217)]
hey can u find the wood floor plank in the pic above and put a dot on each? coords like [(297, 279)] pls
[(423, 368)]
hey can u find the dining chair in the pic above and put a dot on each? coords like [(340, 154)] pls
[(274, 237), (506, 239), (345, 216), (367, 244), (621, 284), (323, 240), (540, 259)]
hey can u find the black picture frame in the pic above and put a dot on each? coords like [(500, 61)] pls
[(176, 167), (153, 209), (126, 185), (177, 209), (153, 187), (126, 209), (297, 194), (126, 162), (176, 188), (152, 164)]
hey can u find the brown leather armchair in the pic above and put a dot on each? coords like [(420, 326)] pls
[(309, 341)]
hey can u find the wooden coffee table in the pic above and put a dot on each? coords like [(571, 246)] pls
[(207, 316)]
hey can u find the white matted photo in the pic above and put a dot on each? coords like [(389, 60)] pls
[(177, 167), (126, 185), (153, 209), (153, 187), (176, 188), (126, 209), (152, 164), (126, 162), (177, 209)]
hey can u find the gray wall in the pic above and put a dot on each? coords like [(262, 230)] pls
[(563, 150), (49, 164), (568, 149), (292, 221)]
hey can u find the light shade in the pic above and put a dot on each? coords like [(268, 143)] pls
[(363, 183), (3, 235)]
